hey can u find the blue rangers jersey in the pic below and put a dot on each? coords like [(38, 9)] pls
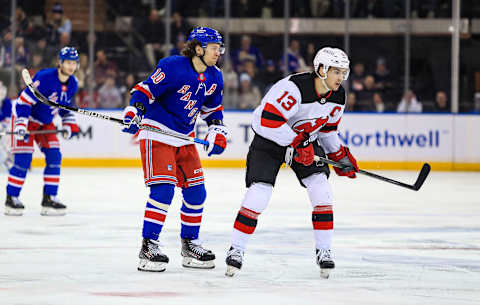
[(175, 95), (47, 82), (5, 109)]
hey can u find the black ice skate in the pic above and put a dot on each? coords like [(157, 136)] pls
[(196, 256), (325, 262), (52, 207), (234, 261), (151, 257), (13, 206)]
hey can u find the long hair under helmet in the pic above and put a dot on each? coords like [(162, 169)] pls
[(206, 35)]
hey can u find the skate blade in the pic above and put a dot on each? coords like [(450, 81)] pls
[(231, 271), (13, 212), (325, 273), (53, 212), (190, 262), (146, 265)]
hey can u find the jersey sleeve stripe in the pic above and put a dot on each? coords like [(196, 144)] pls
[(144, 89), (206, 111), (25, 99), (271, 117), (329, 127)]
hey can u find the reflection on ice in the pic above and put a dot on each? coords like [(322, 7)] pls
[(391, 246)]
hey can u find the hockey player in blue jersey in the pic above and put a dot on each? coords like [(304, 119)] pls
[(29, 114), (179, 90), (6, 158)]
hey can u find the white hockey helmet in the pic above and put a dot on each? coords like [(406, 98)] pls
[(331, 57)]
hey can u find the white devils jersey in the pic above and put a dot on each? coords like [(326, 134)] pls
[(292, 105)]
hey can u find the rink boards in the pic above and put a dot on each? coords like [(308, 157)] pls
[(378, 141)]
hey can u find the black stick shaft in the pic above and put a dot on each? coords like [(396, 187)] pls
[(28, 81), (421, 178), (34, 132)]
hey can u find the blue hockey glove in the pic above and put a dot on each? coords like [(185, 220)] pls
[(132, 116)]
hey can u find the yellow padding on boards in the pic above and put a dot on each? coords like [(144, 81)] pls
[(219, 163)]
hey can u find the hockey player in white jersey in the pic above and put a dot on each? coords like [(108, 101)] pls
[(297, 119)]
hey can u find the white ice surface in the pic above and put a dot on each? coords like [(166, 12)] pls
[(392, 245)]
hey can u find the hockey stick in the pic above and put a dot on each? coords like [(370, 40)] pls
[(28, 81), (415, 187), (34, 132)]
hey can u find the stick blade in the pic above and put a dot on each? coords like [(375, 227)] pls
[(26, 77), (422, 176)]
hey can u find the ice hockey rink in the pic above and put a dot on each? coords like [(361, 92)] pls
[(391, 245)]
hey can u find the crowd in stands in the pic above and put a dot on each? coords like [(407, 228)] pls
[(309, 8), (248, 72)]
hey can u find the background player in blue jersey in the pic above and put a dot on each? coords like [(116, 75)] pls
[(29, 114), (6, 158), (179, 90)]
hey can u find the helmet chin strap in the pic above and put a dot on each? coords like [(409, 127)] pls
[(325, 84), (323, 79), (201, 58)]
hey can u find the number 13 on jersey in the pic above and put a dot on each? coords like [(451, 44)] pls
[(287, 103)]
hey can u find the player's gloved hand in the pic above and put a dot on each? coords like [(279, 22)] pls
[(217, 139), (20, 129), (344, 157), (301, 149), (69, 130), (132, 116)]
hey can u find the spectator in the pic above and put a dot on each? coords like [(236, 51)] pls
[(366, 95), (153, 30), (310, 55), (249, 96), (109, 95), (179, 46), (40, 47), (383, 80), (230, 84), (251, 70), (268, 76), (180, 28), (351, 103), (296, 63), (84, 100), (126, 87), (379, 105), (441, 102), (247, 52), (104, 68), (409, 103), (21, 55), (319, 8), (24, 26), (82, 72), (59, 28), (358, 76), (37, 63)]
